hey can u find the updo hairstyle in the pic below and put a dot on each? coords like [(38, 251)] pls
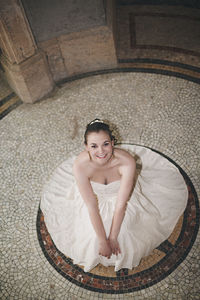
[(98, 125)]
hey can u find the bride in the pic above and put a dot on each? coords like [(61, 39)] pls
[(98, 208), (102, 163)]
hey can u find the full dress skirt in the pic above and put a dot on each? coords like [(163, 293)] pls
[(158, 200)]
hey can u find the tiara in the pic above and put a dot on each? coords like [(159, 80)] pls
[(96, 121)]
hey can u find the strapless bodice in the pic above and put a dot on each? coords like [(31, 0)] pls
[(106, 190)]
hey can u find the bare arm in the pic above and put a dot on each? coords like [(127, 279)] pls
[(90, 200), (126, 186)]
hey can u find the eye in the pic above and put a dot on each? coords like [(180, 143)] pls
[(93, 146), (106, 144)]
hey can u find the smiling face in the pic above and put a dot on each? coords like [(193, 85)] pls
[(100, 147)]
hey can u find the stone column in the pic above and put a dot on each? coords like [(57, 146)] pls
[(25, 66)]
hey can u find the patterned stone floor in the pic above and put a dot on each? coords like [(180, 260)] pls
[(154, 110), (152, 99)]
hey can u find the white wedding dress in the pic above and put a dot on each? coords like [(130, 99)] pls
[(158, 200)]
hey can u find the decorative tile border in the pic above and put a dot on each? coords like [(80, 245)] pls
[(158, 265), (186, 3), (163, 63), (8, 103), (145, 65)]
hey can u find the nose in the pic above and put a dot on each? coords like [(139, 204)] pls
[(100, 149)]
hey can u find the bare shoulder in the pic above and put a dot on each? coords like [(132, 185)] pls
[(127, 164), (81, 162), (125, 158)]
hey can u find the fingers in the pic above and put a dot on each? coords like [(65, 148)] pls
[(116, 251), (119, 250), (112, 249), (107, 256)]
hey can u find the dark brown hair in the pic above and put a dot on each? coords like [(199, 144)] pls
[(98, 125)]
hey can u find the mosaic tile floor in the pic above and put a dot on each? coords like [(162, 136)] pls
[(153, 110)]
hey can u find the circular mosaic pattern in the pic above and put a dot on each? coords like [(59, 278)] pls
[(159, 264)]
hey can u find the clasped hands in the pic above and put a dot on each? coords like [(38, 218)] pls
[(108, 247)]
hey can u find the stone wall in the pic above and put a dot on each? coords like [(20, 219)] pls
[(45, 42), (76, 36), (49, 18), (25, 67)]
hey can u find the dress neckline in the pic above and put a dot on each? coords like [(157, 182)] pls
[(103, 184)]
